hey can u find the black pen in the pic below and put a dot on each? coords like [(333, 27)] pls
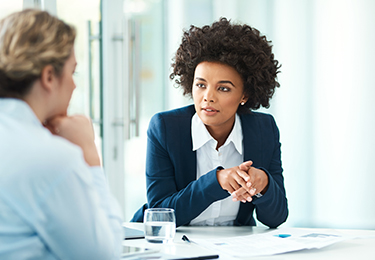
[(185, 238), (197, 257)]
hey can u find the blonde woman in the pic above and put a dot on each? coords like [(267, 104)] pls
[(54, 201)]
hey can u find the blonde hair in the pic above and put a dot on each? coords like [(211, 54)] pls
[(29, 41)]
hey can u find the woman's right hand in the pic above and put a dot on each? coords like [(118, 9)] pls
[(78, 130), (233, 179)]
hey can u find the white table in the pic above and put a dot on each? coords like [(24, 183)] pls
[(351, 249)]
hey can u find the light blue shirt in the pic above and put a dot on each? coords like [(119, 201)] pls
[(52, 204)]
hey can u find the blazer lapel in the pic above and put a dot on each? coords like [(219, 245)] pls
[(188, 163), (252, 151), (251, 139)]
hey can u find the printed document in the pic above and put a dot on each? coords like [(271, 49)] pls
[(274, 242)]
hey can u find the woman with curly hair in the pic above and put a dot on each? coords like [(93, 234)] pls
[(54, 199), (217, 161)]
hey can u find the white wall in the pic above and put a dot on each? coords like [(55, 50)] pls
[(292, 36), (325, 105), (344, 120)]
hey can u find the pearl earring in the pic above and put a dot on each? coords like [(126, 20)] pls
[(242, 103)]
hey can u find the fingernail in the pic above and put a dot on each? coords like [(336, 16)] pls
[(249, 199), (244, 201), (234, 199), (248, 184)]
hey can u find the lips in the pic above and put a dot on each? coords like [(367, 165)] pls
[(210, 109)]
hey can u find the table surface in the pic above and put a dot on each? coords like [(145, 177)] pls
[(361, 248)]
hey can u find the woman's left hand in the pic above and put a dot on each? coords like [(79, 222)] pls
[(257, 181)]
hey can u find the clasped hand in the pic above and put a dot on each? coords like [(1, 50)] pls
[(243, 181), (78, 130)]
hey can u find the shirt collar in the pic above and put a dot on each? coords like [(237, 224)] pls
[(19, 109), (201, 136)]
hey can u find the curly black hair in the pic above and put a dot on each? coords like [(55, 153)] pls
[(238, 46)]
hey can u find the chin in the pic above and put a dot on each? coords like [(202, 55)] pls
[(60, 112)]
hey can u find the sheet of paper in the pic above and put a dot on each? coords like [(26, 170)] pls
[(270, 243), (131, 233), (154, 256)]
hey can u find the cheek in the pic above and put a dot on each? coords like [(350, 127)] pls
[(232, 104), (194, 95), (72, 84)]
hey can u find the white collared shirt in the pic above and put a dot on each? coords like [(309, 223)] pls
[(222, 212)]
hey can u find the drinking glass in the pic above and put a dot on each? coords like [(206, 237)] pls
[(160, 225)]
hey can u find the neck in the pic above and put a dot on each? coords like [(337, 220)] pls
[(220, 134), (37, 102)]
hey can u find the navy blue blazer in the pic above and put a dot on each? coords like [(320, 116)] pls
[(171, 167)]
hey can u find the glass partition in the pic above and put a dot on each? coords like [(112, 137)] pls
[(145, 34), (85, 16)]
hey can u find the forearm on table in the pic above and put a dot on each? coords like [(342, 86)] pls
[(190, 201), (272, 207)]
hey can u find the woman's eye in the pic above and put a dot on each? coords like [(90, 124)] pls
[(225, 89), (200, 85)]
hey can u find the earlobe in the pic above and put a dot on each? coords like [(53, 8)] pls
[(243, 101)]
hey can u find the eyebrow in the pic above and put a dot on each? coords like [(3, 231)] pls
[(221, 81)]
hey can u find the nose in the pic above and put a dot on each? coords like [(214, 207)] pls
[(209, 95)]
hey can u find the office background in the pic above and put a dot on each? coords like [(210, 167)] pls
[(324, 107)]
